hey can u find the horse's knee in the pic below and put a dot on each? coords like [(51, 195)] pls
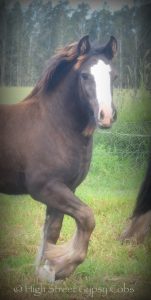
[(86, 218), (80, 258)]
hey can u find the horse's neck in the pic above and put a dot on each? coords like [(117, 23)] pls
[(62, 104)]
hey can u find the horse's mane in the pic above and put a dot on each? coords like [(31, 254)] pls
[(58, 66)]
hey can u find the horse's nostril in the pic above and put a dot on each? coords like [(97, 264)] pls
[(102, 115)]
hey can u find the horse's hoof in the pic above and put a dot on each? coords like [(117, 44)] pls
[(46, 273), (137, 229), (126, 237)]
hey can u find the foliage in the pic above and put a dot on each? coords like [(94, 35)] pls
[(30, 34)]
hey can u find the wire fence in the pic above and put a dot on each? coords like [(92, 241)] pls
[(128, 134), (127, 139)]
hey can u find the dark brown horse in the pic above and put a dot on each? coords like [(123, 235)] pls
[(140, 221), (46, 145)]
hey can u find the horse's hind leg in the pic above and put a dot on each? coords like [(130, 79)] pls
[(138, 228), (140, 222), (63, 259), (51, 231)]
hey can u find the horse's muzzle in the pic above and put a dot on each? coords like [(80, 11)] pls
[(105, 122)]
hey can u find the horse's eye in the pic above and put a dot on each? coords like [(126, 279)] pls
[(85, 76)]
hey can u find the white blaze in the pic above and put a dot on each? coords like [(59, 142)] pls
[(101, 73)]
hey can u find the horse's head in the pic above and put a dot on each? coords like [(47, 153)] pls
[(91, 82), (96, 76)]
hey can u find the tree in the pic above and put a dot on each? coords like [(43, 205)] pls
[(3, 34), (29, 37), (79, 20)]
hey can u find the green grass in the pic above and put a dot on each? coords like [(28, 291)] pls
[(111, 270), (13, 94)]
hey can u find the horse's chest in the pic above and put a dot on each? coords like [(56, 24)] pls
[(80, 165), (66, 162)]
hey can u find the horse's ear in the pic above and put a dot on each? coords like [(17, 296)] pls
[(110, 49), (84, 45)]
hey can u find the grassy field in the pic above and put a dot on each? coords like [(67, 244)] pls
[(111, 270)]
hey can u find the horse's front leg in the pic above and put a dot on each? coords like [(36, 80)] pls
[(53, 224), (63, 259), (51, 231)]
